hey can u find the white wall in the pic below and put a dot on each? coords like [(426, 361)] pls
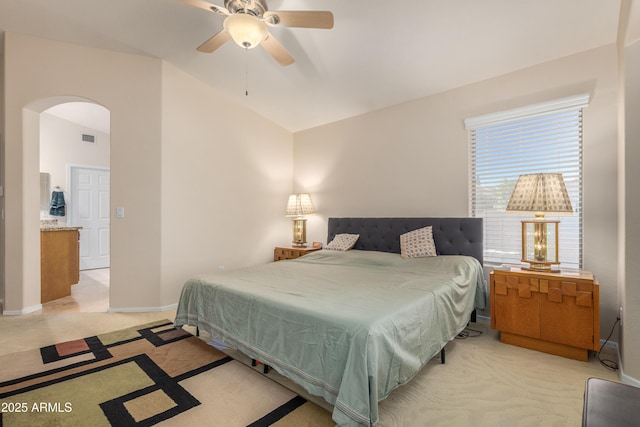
[(413, 159), (630, 296), (2, 171), (630, 293), (37, 71), (226, 174), (182, 164), (61, 145)]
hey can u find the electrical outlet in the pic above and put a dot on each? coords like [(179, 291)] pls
[(620, 316), (221, 268)]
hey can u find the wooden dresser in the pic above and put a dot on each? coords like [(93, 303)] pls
[(280, 252), (59, 262), (557, 313)]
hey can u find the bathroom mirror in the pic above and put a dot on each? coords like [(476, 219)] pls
[(45, 191)]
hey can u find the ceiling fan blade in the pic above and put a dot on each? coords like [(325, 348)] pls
[(214, 42), (278, 51), (201, 4), (298, 18)]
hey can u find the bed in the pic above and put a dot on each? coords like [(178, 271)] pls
[(348, 326)]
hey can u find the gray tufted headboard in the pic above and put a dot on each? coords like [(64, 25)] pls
[(452, 236)]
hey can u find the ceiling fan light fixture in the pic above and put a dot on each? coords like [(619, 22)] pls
[(246, 30)]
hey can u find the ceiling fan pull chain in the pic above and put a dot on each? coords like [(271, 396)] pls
[(246, 72)]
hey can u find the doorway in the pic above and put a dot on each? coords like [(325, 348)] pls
[(75, 152)]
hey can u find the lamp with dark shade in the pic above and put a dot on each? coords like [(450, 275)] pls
[(540, 193), (298, 206)]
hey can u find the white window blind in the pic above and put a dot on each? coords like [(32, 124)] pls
[(537, 139)]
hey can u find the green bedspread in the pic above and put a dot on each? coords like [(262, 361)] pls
[(347, 326)]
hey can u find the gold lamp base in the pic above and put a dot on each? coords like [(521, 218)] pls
[(540, 244), (299, 233)]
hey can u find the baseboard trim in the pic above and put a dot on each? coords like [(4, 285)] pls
[(623, 377), (141, 309), (483, 319), (23, 311)]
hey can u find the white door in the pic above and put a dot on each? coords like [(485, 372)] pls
[(89, 208)]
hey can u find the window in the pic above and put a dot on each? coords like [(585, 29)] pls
[(537, 139)]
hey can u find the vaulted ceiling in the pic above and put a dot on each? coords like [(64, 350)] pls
[(378, 54)]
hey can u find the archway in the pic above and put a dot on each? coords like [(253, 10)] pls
[(75, 156), (22, 283)]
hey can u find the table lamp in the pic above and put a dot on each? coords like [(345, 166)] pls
[(299, 205), (540, 193)]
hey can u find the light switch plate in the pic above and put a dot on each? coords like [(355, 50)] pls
[(119, 212)]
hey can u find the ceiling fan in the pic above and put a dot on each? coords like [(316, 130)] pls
[(246, 24)]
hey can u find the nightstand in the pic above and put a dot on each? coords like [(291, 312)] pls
[(557, 313), (280, 253)]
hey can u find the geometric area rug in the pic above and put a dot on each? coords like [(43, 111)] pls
[(151, 374)]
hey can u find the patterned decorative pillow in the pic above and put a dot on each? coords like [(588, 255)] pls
[(418, 243), (343, 242)]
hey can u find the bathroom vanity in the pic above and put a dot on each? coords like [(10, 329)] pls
[(59, 261)]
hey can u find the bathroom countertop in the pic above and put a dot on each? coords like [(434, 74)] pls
[(58, 228)]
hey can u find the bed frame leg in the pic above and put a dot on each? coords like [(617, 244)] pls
[(442, 353), (197, 331), (265, 368)]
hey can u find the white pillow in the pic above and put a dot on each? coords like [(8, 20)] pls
[(417, 243), (343, 242)]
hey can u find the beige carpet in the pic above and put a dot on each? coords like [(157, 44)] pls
[(487, 383), (483, 383), (145, 375)]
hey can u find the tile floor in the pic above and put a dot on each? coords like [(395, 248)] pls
[(82, 314), (89, 295)]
